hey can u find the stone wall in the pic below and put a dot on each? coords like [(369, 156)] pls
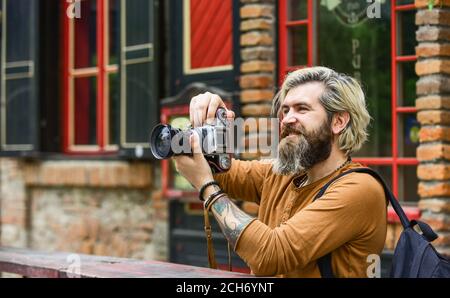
[(433, 104), (92, 207)]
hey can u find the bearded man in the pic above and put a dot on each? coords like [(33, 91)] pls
[(323, 120)]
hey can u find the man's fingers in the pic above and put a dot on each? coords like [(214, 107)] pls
[(195, 144), (230, 114), (214, 104)]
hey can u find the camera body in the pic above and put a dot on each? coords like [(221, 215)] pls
[(166, 141)]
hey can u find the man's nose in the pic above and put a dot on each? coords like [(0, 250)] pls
[(289, 119)]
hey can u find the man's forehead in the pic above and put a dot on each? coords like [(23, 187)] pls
[(308, 93)]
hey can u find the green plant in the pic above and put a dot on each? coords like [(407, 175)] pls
[(430, 4)]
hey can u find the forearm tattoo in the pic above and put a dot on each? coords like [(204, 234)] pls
[(231, 219)]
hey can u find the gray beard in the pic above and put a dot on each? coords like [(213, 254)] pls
[(291, 154)]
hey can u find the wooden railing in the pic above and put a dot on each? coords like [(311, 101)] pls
[(31, 263)]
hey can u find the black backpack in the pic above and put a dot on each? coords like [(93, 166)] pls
[(414, 256)]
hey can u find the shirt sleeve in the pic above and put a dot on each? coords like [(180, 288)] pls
[(244, 180), (348, 209)]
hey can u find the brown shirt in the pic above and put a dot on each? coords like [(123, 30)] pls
[(292, 231)]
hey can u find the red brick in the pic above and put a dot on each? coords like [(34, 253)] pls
[(256, 24), (437, 3), (258, 53), (434, 117), (433, 171), (256, 95), (434, 189), (433, 102), (430, 152), (442, 240), (435, 205), (256, 39), (257, 66), (434, 133), (432, 33), (433, 84), (433, 17), (256, 81), (428, 49), (438, 222), (83, 174), (258, 110), (256, 11), (432, 66)]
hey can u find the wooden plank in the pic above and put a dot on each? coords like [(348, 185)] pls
[(33, 263)]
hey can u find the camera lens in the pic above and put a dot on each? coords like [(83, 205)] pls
[(161, 140)]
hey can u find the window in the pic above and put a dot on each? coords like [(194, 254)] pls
[(203, 38), (19, 86), (110, 89), (340, 34), (92, 65)]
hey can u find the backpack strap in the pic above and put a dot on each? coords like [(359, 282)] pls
[(324, 262)]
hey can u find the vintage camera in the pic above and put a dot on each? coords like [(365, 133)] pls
[(167, 141)]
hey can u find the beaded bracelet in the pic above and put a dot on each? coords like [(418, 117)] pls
[(203, 188)]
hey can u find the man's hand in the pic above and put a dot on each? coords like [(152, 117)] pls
[(203, 107), (195, 169)]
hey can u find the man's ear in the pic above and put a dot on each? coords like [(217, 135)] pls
[(340, 122)]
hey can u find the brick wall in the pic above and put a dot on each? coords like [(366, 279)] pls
[(433, 104), (93, 207), (258, 80)]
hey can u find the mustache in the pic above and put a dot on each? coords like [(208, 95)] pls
[(289, 129)]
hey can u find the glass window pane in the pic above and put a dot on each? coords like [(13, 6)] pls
[(85, 111), (407, 84), (18, 111), (297, 10), (138, 22), (114, 32), (297, 46), (408, 184), (407, 33), (139, 103), (359, 46), (85, 31), (19, 30), (113, 108), (408, 135)]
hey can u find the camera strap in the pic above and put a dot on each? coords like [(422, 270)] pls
[(210, 247)]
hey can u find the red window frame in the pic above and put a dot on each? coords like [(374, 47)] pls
[(100, 71), (395, 160)]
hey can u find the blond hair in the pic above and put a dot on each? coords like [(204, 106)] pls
[(342, 94)]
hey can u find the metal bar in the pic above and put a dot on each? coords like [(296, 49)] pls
[(282, 31), (101, 75), (374, 160), (66, 77), (310, 33), (406, 110), (297, 23), (394, 98), (403, 7), (406, 58)]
